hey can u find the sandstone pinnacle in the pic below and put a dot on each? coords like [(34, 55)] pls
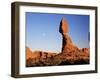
[(67, 44)]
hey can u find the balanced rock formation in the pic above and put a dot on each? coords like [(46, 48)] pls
[(67, 44), (70, 54)]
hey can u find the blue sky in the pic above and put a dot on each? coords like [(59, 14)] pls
[(42, 31)]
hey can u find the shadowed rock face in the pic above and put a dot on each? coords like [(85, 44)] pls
[(70, 54), (63, 26)]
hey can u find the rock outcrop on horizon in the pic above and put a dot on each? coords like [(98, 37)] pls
[(70, 54), (38, 58)]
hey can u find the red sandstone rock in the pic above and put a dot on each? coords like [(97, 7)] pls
[(70, 53), (38, 54), (63, 26), (67, 45)]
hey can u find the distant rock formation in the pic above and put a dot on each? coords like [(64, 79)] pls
[(38, 54), (70, 54), (30, 54), (39, 58)]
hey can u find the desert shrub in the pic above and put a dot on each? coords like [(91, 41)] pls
[(33, 62), (82, 61), (50, 61), (65, 63), (53, 61), (29, 62)]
